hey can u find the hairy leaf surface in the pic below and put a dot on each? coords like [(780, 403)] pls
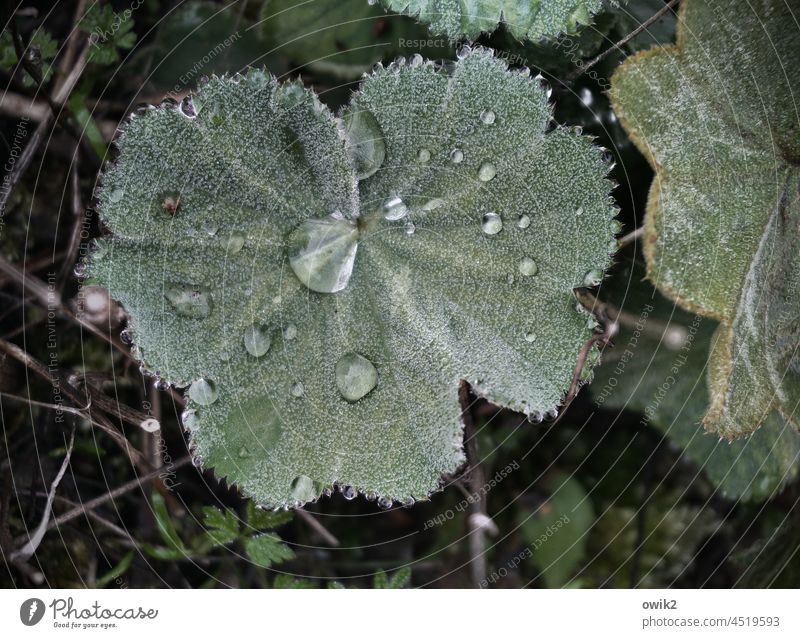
[(532, 19), (325, 325), (717, 117)]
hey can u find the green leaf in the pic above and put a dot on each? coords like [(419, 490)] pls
[(398, 580), (344, 37), (42, 48), (108, 31), (115, 572), (260, 519), (658, 368), (222, 527), (233, 227), (267, 549), (557, 531), (285, 581), (532, 19), (722, 227)]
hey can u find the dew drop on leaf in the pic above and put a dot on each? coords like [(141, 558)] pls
[(349, 492), (523, 222), (486, 172), (457, 156), (593, 278), (488, 117), (189, 302), (234, 243), (424, 155), (528, 267), (492, 223), (432, 204), (367, 147), (322, 252), (303, 489), (256, 340), (290, 332), (394, 208), (355, 376), (298, 389), (385, 503), (203, 392)]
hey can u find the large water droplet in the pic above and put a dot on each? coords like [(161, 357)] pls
[(322, 252), (432, 204), (486, 172), (355, 376), (523, 222), (203, 392), (298, 389), (349, 492), (394, 208), (424, 155), (256, 340), (189, 302), (233, 243), (210, 228), (528, 267), (456, 156), (488, 117), (367, 147), (385, 503), (492, 223)]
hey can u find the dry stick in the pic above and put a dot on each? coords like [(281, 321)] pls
[(29, 549), (119, 491), (74, 396), (51, 298), (631, 237), (618, 45), (77, 227), (62, 93), (312, 522), (477, 479)]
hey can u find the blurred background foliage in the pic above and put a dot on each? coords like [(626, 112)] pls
[(623, 490)]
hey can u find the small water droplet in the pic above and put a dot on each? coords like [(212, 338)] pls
[(322, 252), (593, 278), (463, 51), (535, 417), (492, 223), (424, 155), (303, 489), (456, 156), (510, 278), (203, 392), (486, 172), (188, 418), (488, 117), (290, 332), (371, 496), (579, 212), (416, 60), (523, 221), (256, 340), (355, 376), (410, 228), (116, 195), (528, 267), (210, 228), (349, 492), (298, 389), (189, 302), (234, 243), (197, 461), (150, 425), (394, 208), (408, 501), (530, 337), (244, 452), (126, 337), (385, 503), (432, 204)]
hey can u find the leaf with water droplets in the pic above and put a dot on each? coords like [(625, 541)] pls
[(722, 230), (531, 19), (343, 314)]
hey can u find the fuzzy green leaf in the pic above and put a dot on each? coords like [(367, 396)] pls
[(266, 550), (722, 231), (229, 224), (658, 368), (531, 19)]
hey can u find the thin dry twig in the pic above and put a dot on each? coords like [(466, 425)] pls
[(631, 237), (314, 524)]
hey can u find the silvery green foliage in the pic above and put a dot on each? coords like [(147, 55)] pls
[(722, 231), (325, 325), (658, 368), (531, 19)]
